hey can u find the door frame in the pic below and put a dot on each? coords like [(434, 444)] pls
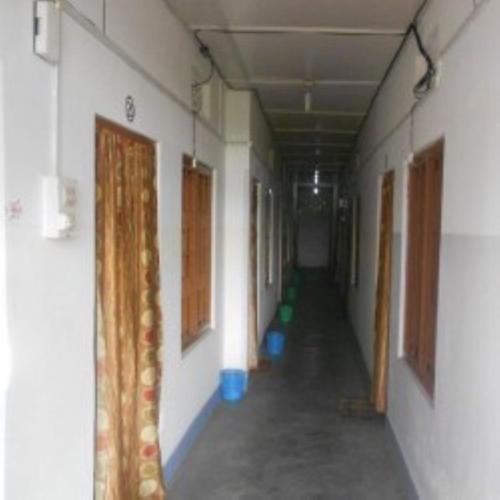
[(381, 346), (253, 272), (102, 123)]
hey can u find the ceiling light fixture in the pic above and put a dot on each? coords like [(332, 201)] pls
[(308, 101), (316, 191)]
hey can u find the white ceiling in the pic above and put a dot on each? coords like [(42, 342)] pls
[(393, 14), (339, 49)]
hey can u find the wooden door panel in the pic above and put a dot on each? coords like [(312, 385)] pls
[(382, 313)]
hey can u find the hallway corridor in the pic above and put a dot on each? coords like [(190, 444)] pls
[(286, 440)]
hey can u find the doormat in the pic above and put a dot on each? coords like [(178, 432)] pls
[(357, 408), (263, 366)]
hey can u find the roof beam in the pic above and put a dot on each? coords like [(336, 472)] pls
[(295, 163), (296, 30), (324, 171), (326, 154), (317, 144), (321, 185), (298, 112), (315, 161), (315, 131), (299, 82)]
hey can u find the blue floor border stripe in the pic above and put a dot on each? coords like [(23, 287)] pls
[(179, 455)]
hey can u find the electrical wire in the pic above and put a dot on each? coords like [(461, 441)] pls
[(314, 32), (425, 84), (389, 69), (421, 88), (206, 53), (208, 78)]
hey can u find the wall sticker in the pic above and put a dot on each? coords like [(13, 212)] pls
[(14, 210), (130, 108)]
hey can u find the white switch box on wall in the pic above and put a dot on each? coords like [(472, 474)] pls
[(47, 30), (59, 207)]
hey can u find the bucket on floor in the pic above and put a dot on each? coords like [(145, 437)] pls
[(286, 313), (291, 294), (275, 343), (297, 278), (233, 385)]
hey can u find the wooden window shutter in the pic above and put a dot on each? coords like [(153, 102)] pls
[(196, 251), (422, 272)]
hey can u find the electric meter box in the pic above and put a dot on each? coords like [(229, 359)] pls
[(47, 30), (59, 207)]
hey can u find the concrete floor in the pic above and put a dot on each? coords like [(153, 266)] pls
[(286, 440)]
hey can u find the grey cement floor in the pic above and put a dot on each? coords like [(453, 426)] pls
[(286, 440)]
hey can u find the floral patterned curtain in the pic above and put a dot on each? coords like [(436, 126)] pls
[(253, 348), (127, 462)]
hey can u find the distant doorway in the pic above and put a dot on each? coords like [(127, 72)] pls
[(383, 297), (314, 227), (253, 307)]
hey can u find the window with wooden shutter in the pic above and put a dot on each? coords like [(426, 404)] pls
[(422, 265), (269, 235), (355, 239), (196, 251)]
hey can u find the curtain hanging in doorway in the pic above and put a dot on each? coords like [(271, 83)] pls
[(253, 347), (127, 462)]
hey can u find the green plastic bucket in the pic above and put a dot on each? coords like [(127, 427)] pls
[(286, 313), (297, 278), (291, 294)]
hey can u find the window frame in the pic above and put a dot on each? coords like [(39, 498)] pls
[(355, 239), (269, 237), (189, 337), (423, 244)]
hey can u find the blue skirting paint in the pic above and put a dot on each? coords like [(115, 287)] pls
[(189, 438)]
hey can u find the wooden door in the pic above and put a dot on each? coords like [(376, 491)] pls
[(383, 297), (253, 354)]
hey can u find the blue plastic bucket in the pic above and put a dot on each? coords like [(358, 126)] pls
[(275, 343), (233, 385)]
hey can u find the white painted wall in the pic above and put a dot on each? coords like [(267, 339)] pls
[(247, 136), (150, 34), (267, 294), (50, 405), (452, 444), (4, 344), (93, 10), (260, 133), (238, 116), (236, 255)]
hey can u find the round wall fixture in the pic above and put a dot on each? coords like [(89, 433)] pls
[(130, 108)]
